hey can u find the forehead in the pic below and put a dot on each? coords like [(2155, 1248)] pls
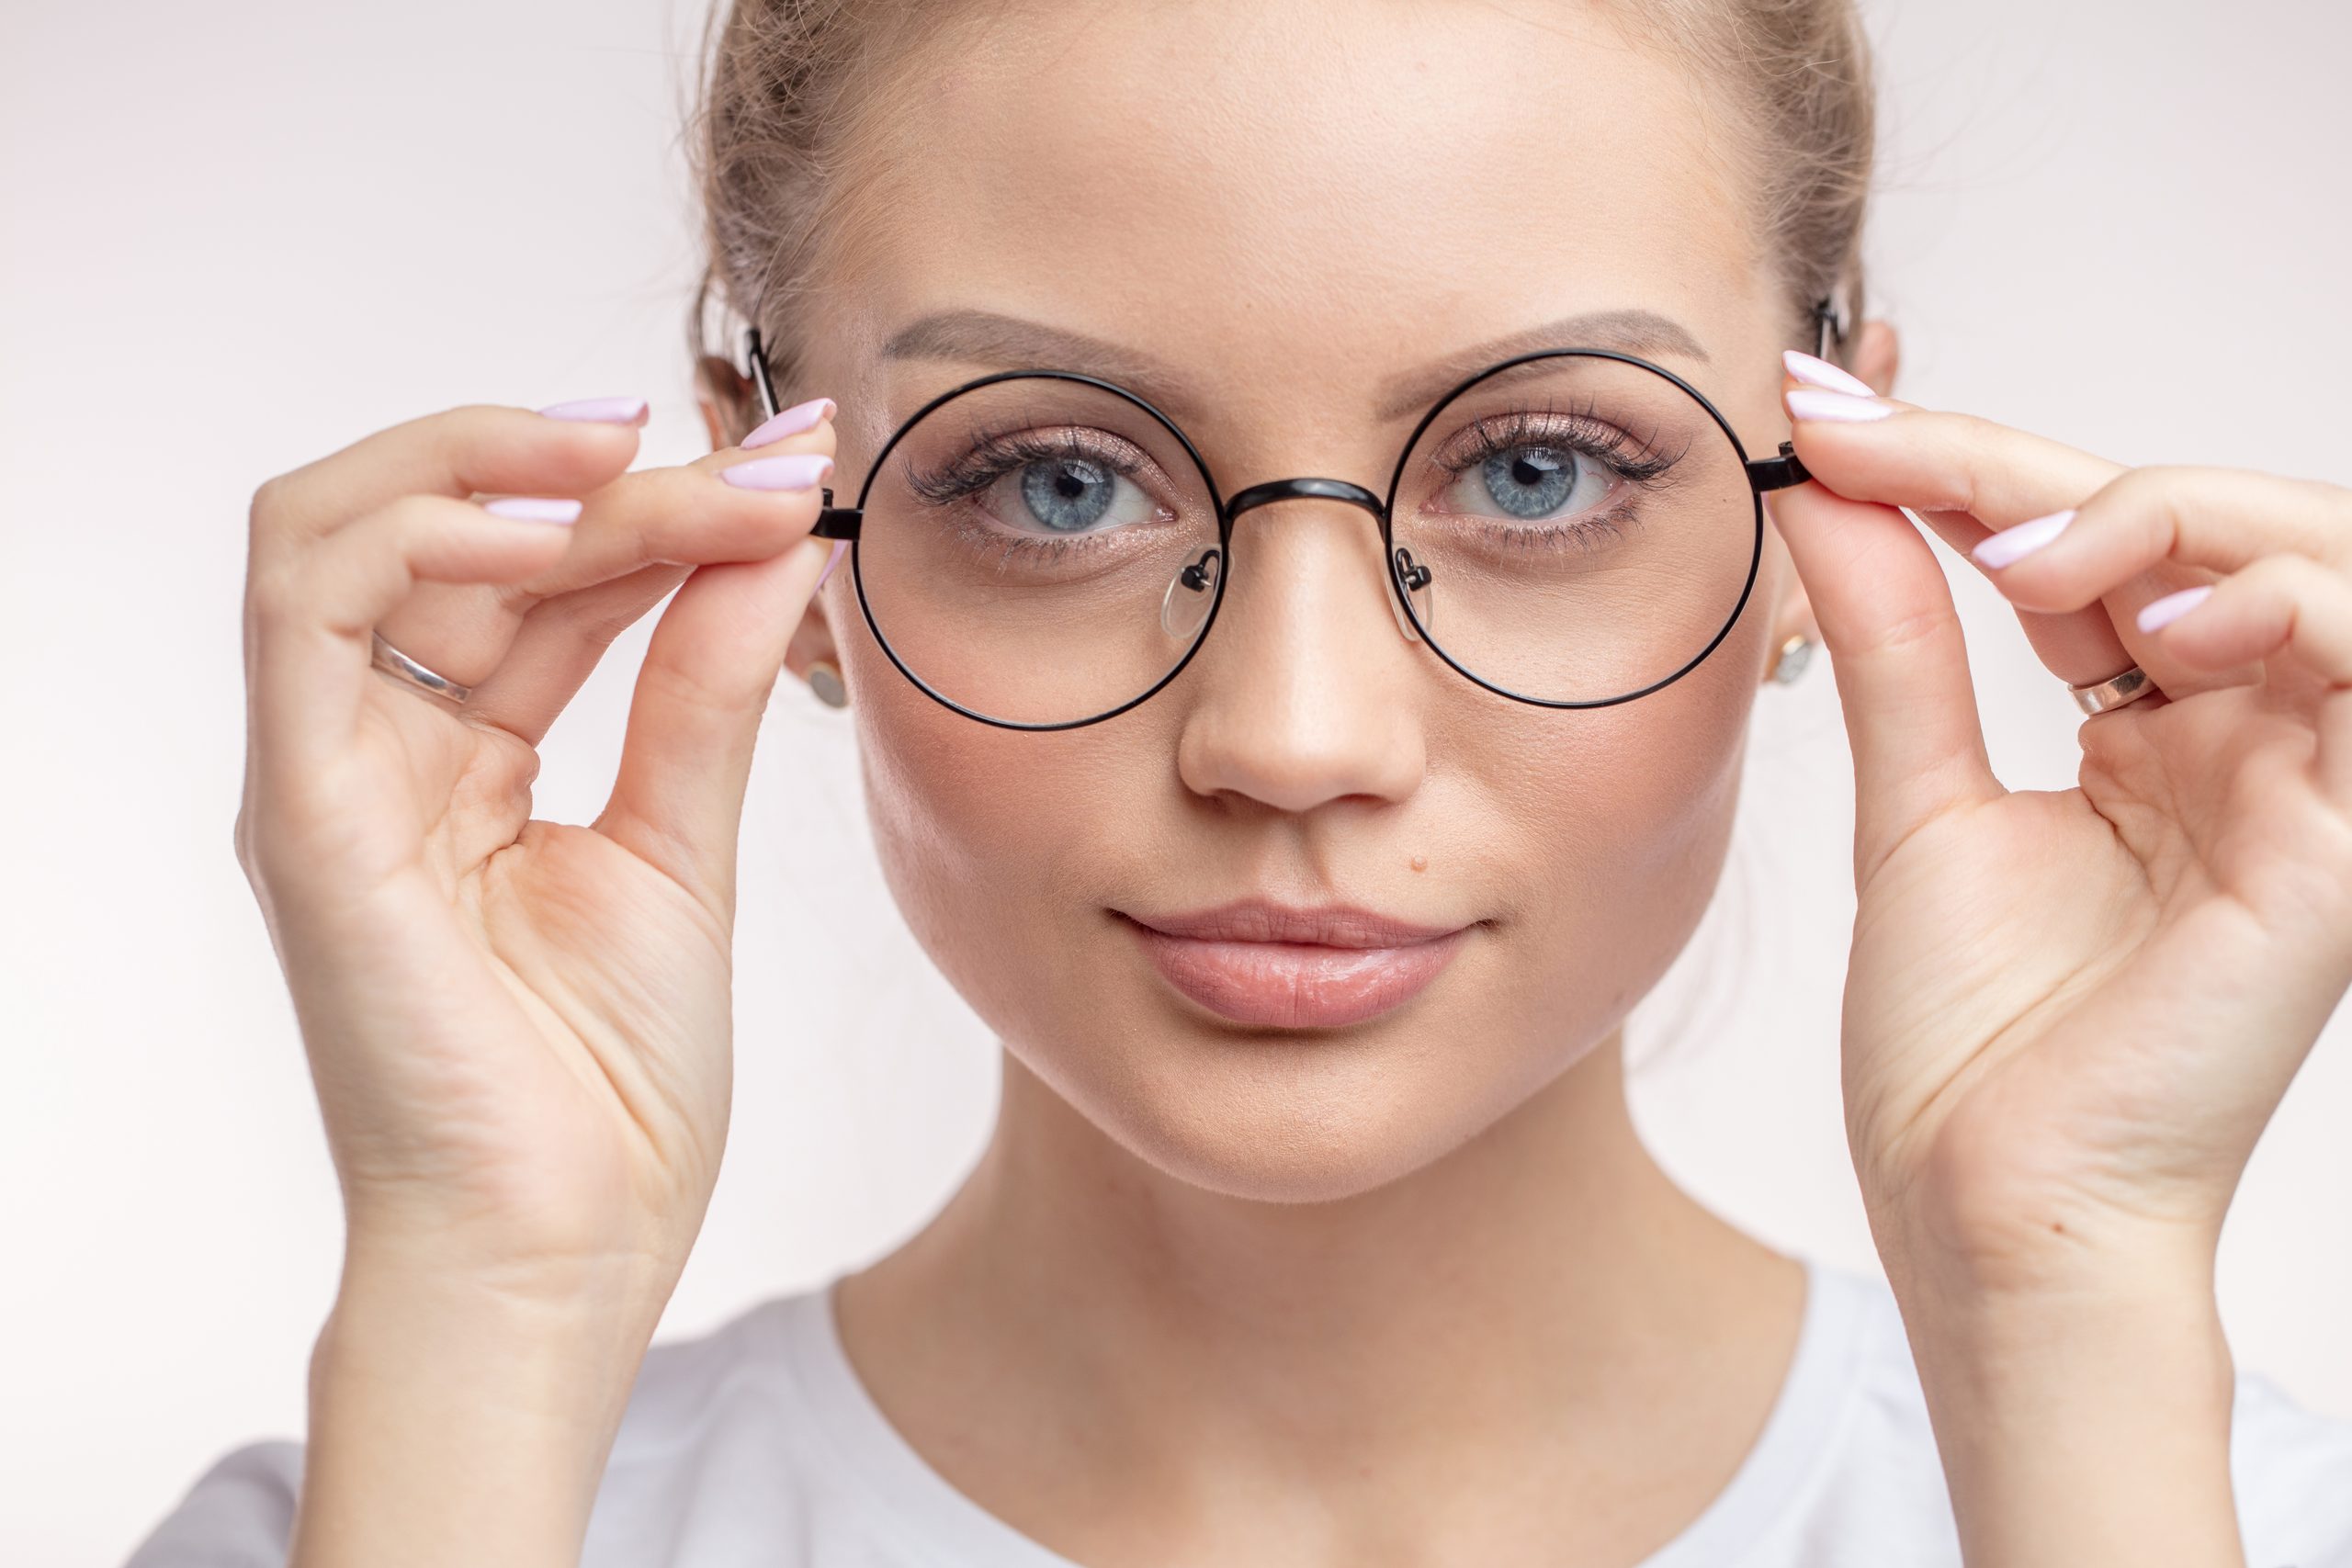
[(1292, 190)]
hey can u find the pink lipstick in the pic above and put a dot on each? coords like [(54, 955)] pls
[(1282, 966)]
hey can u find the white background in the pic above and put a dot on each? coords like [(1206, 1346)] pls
[(234, 238)]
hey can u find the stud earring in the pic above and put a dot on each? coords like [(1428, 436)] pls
[(1790, 662), (826, 681)]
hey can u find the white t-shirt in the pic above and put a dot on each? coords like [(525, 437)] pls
[(755, 1446)]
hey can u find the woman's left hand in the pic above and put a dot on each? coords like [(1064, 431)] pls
[(2069, 1014)]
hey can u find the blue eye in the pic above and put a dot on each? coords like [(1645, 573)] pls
[(1529, 483), (1067, 495), (1056, 495)]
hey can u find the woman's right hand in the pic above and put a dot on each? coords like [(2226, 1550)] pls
[(519, 1029)]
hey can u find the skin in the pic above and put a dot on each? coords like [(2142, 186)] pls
[(1310, 1263)]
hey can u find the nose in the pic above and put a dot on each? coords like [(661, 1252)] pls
[(1306, 692)]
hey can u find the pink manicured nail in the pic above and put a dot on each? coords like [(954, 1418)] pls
[(2016, 544), (840, 546), (791, 422), (2163, 611), (1813, 403), (1821, 373), (790, 471), (600, 410), (535, 508)]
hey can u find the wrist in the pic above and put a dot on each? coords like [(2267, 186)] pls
[(2014, 1251), (449, 1275), (2083, 1419), (455, 1421)]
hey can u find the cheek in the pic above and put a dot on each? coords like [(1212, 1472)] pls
[(988, 838), (1628, 811)]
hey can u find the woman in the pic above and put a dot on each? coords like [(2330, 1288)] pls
[(1306, 842)]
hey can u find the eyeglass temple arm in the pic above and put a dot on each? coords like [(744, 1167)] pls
[(1782, 472), (1785, 471), (833, 522)]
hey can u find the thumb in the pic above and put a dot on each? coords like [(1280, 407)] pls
[(1893, 634), (694, 717)]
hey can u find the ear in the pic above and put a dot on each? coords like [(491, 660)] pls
[(729, 403), (730, 409), (1877, 355)]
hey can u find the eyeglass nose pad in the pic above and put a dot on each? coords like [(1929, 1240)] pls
[(1412, 578), (1181, 614)]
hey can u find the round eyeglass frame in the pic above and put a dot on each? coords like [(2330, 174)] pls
[(1764, 475)]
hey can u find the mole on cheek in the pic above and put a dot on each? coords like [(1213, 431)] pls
[(1421, 862)]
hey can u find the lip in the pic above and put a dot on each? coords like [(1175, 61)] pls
[(1286, 966)]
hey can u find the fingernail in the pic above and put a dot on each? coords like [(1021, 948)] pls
[(2016, 544), (1809, 402), (600, 410), (791, 422), (2163, 611), (1821, 373), (831, 562), (535, 508), (790, 471)]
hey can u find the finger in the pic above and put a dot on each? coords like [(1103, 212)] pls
[(1934, 461), (2079, 647), (726, 507), (713, 661), (310, 618), (2153, 532), (1895, 647), (2280, 605), (477, 449), (2217, 520), (558, 645)]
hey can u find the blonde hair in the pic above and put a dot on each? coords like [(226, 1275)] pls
[(779, 107)]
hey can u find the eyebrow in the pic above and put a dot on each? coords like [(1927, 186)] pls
[(988, 337), (1643, 333)]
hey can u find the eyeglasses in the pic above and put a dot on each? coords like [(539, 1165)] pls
[(1042, 549)]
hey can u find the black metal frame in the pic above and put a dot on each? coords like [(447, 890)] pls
[(1764, 475)]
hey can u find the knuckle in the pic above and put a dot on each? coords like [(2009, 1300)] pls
[(274, 595), (659, 491), (267, 506), (2147, 500), (2289, 572), (1967, 439)]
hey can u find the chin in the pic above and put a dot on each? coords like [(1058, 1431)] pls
[(1290, 1118)]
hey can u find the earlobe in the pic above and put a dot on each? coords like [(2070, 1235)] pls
[(1794, 632), (811, 645)]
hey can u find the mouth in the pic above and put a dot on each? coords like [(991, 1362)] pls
[(1284, 966)]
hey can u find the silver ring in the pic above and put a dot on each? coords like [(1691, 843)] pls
[(2101, 696), (409, 672)]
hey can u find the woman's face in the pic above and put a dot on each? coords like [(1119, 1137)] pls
[(1292, 209)]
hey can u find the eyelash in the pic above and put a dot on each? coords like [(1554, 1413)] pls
[(995, 453), (1633, 459)]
